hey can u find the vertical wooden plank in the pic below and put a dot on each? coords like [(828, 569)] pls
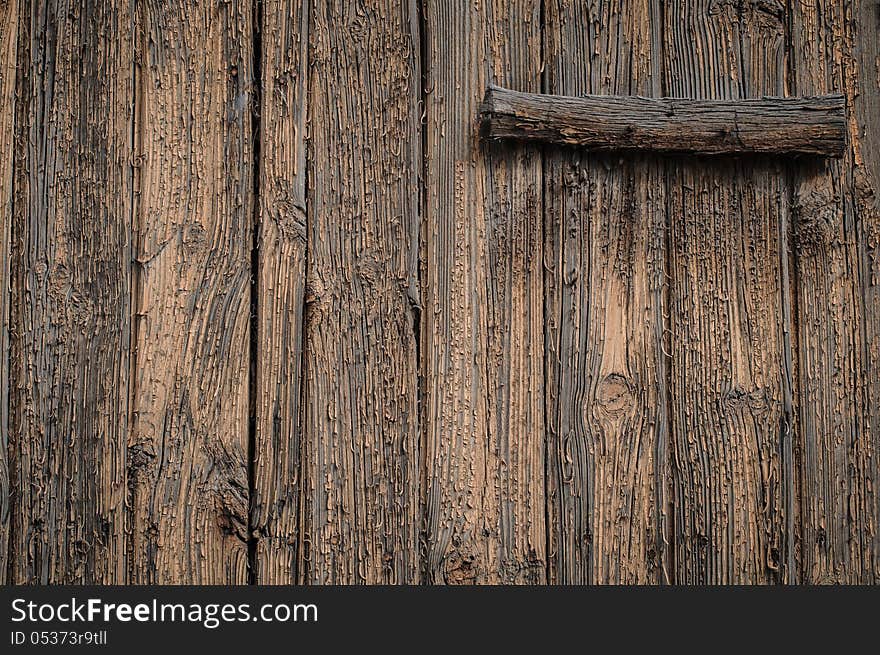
[(605, 272), (188, 454), (362, 457), (865, 135), (281, 280), (9, 24), (727, 345), (838, 312), (482, 341), (71, 313)]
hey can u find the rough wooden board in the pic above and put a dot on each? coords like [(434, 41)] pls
[(782, 126), (71, 315), (281, 277), (188, 454), (734, 292), (9, 24), (727, 338), (605, 271), (838, 310), (362, 452), (482, 344), (866, 155)]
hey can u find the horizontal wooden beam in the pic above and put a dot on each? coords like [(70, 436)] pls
[(780, 126)]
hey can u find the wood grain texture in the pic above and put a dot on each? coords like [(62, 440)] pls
[(70, 307), (605, 275), (9, 27), (837, 237), (281, 277), (865, 135), (726, 305), (482, 338), (267, 300), (188, 454), (782, 126), (362, 456)]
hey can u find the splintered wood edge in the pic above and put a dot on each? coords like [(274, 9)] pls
[(779, 126)]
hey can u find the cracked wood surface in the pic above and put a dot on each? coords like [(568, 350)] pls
[(70, 314), (362, 439), (281, 281), (729, 376), (188, 454), (838, 286), (482, 338), (9, 21), (605, 308), (271, 311)]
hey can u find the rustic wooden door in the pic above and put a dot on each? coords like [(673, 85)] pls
[(699, 346), (669, 370), (273, 311), (702, 341)]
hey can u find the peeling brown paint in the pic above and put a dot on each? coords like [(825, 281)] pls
[(482, 279), (727, 337), (465, 362), (362, 443), (9, 23), (839, 361), (605, 309), (281, 280), (188, 463), (70, 311)]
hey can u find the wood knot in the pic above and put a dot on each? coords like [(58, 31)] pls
[(527, 571), (763, 11), (370, 272), (141, 455), (194, 241), (289, 219), (614, 394), (460, 570), (314, 291), (815, 211), (230, 516), (738, 399)]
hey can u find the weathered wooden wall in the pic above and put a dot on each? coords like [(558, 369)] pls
[(271, 311)]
